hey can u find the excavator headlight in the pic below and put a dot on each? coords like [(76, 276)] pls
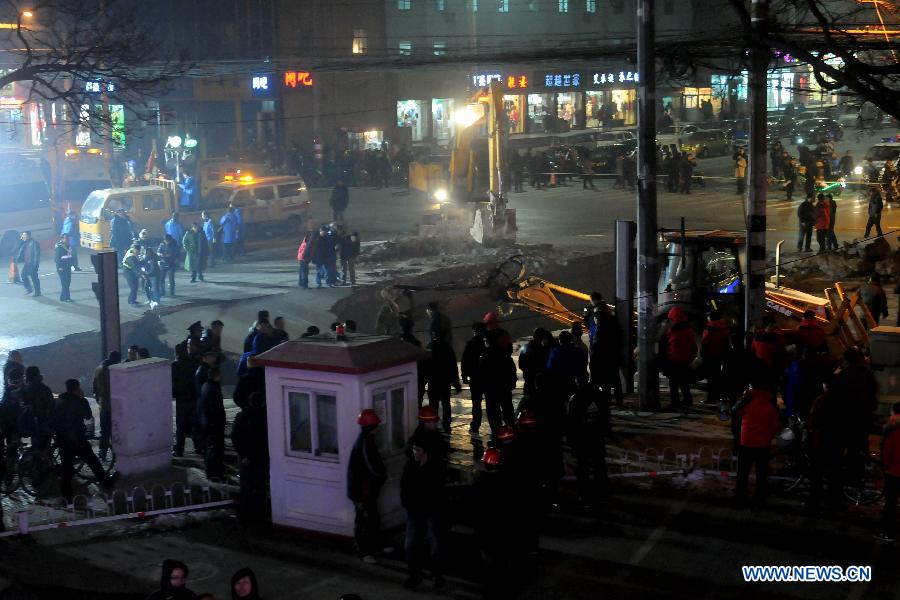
[(441, 195)]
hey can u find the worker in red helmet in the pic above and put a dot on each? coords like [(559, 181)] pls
[(678, 349), (492, 322), (497, 376), (768, 347), (429, 432), (365, 476), (809, 333)]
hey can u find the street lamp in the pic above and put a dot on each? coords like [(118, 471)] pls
[(27, 14)]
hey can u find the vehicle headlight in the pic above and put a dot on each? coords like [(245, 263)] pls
[(799, 140), (441, 195), (858, 170)]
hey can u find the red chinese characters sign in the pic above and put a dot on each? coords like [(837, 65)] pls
[(298, 79)]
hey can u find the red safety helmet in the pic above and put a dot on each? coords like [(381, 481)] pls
[(368, 417), (491, 318), (505, 434), (428, 413), (527, 419), (676, 314), (492, 458)]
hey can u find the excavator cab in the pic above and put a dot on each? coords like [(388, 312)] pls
[(702, 270)]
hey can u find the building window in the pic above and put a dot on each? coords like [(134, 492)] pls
[(563, 6), (503, 6), (405, 48), (360, 41), (313, 424), (404, 4), (669, 7), (590, 6), (440, 48), (439, 5), (389, 405)]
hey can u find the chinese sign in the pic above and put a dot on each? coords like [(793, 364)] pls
[(510, 81), (611, 77), (95, 87), (262, 84), (297, 79), (562, 80)]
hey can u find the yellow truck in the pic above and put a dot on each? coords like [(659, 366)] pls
[(266, 203)]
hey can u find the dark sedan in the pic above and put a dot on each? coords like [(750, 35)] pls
[(813, 131)]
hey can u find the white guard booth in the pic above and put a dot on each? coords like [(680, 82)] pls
[(141, 406), (315, 389)]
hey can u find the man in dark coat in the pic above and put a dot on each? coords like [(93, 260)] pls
[(185, 393), (212, 422), (873, 295), (442, 374), (366, 474), (67, 418), (121, 233), (172, 582), (62, 256), (806, 217), (497, 376), (340, 199), (29, 254), (469, 366), (250, 437), (422, 495), (605, 349), (831, 239)]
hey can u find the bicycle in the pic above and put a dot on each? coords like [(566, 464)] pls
[(793, 441), (868, 487)]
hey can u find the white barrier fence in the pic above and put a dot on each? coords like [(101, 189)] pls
[(121, 505), (653, 462)]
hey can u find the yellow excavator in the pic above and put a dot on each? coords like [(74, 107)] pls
[(473, 195), (702, 270)]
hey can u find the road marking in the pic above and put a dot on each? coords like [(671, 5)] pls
[(592, 235), (654, 537)]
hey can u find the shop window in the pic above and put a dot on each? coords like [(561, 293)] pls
[(265, 193), (312, 422), (360, 41), (439, 5), (503, 6), (590, 6), (154, 202), (390, 407), (404, 4), (405, 48), (563, 6), (440, 48)]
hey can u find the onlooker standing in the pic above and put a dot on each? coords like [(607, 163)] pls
[(209, 232), (876, 206), (806, 216), (790, 176), (497, 377), (305, 253), (442, 374), (365, 476), (250, 437), (823, 219), (606, 349), (168, 253), (195, 247), (244, 585), (740, 170), (324, 257), (340, 199), (185, 393), (131, 271), (212, 422), (680, 350), (174, 228), (103, 396), (422, 495), (30, 256), (228, 227), (439, 324), (469, 367), (173, 582), (890, 459), (72, 229), (759, 424), (279, 335), (873, 295), (349, 254), (121, 233), (832, 219), (62, 255)]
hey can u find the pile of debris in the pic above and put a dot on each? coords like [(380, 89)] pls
[(855, 259)]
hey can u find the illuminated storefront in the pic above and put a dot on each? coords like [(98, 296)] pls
[(409, 115), (612, 99), (515, 108), (442, 126)]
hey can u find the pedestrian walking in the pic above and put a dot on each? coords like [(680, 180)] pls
[(365, 475), (890, 460), (69, 412), (740, 170), (873, 295), (678, 349), (806, 217), (821, 223), (340, 199), (71, 228), (759, 424), (441, 375), (62, 256), (469, 367), (168, 253), (196, 250), (250, 438), (29, 254), (244, 585), (173, 582), (349, 254), (212, 422), (875, 208), (305, 253), (131, 271), (422, 496), (228, 227)]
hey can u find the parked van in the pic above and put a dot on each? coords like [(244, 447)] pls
[(267, 203)]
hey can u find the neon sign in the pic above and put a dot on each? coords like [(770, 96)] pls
[(298, 79)]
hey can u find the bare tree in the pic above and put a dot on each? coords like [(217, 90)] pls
[(856, 32), (85, 54)]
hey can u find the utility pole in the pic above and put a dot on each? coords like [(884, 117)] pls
[(755, 289), (647, 229)]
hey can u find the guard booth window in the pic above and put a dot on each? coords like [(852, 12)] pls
[(390, 406), (312, 425)]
